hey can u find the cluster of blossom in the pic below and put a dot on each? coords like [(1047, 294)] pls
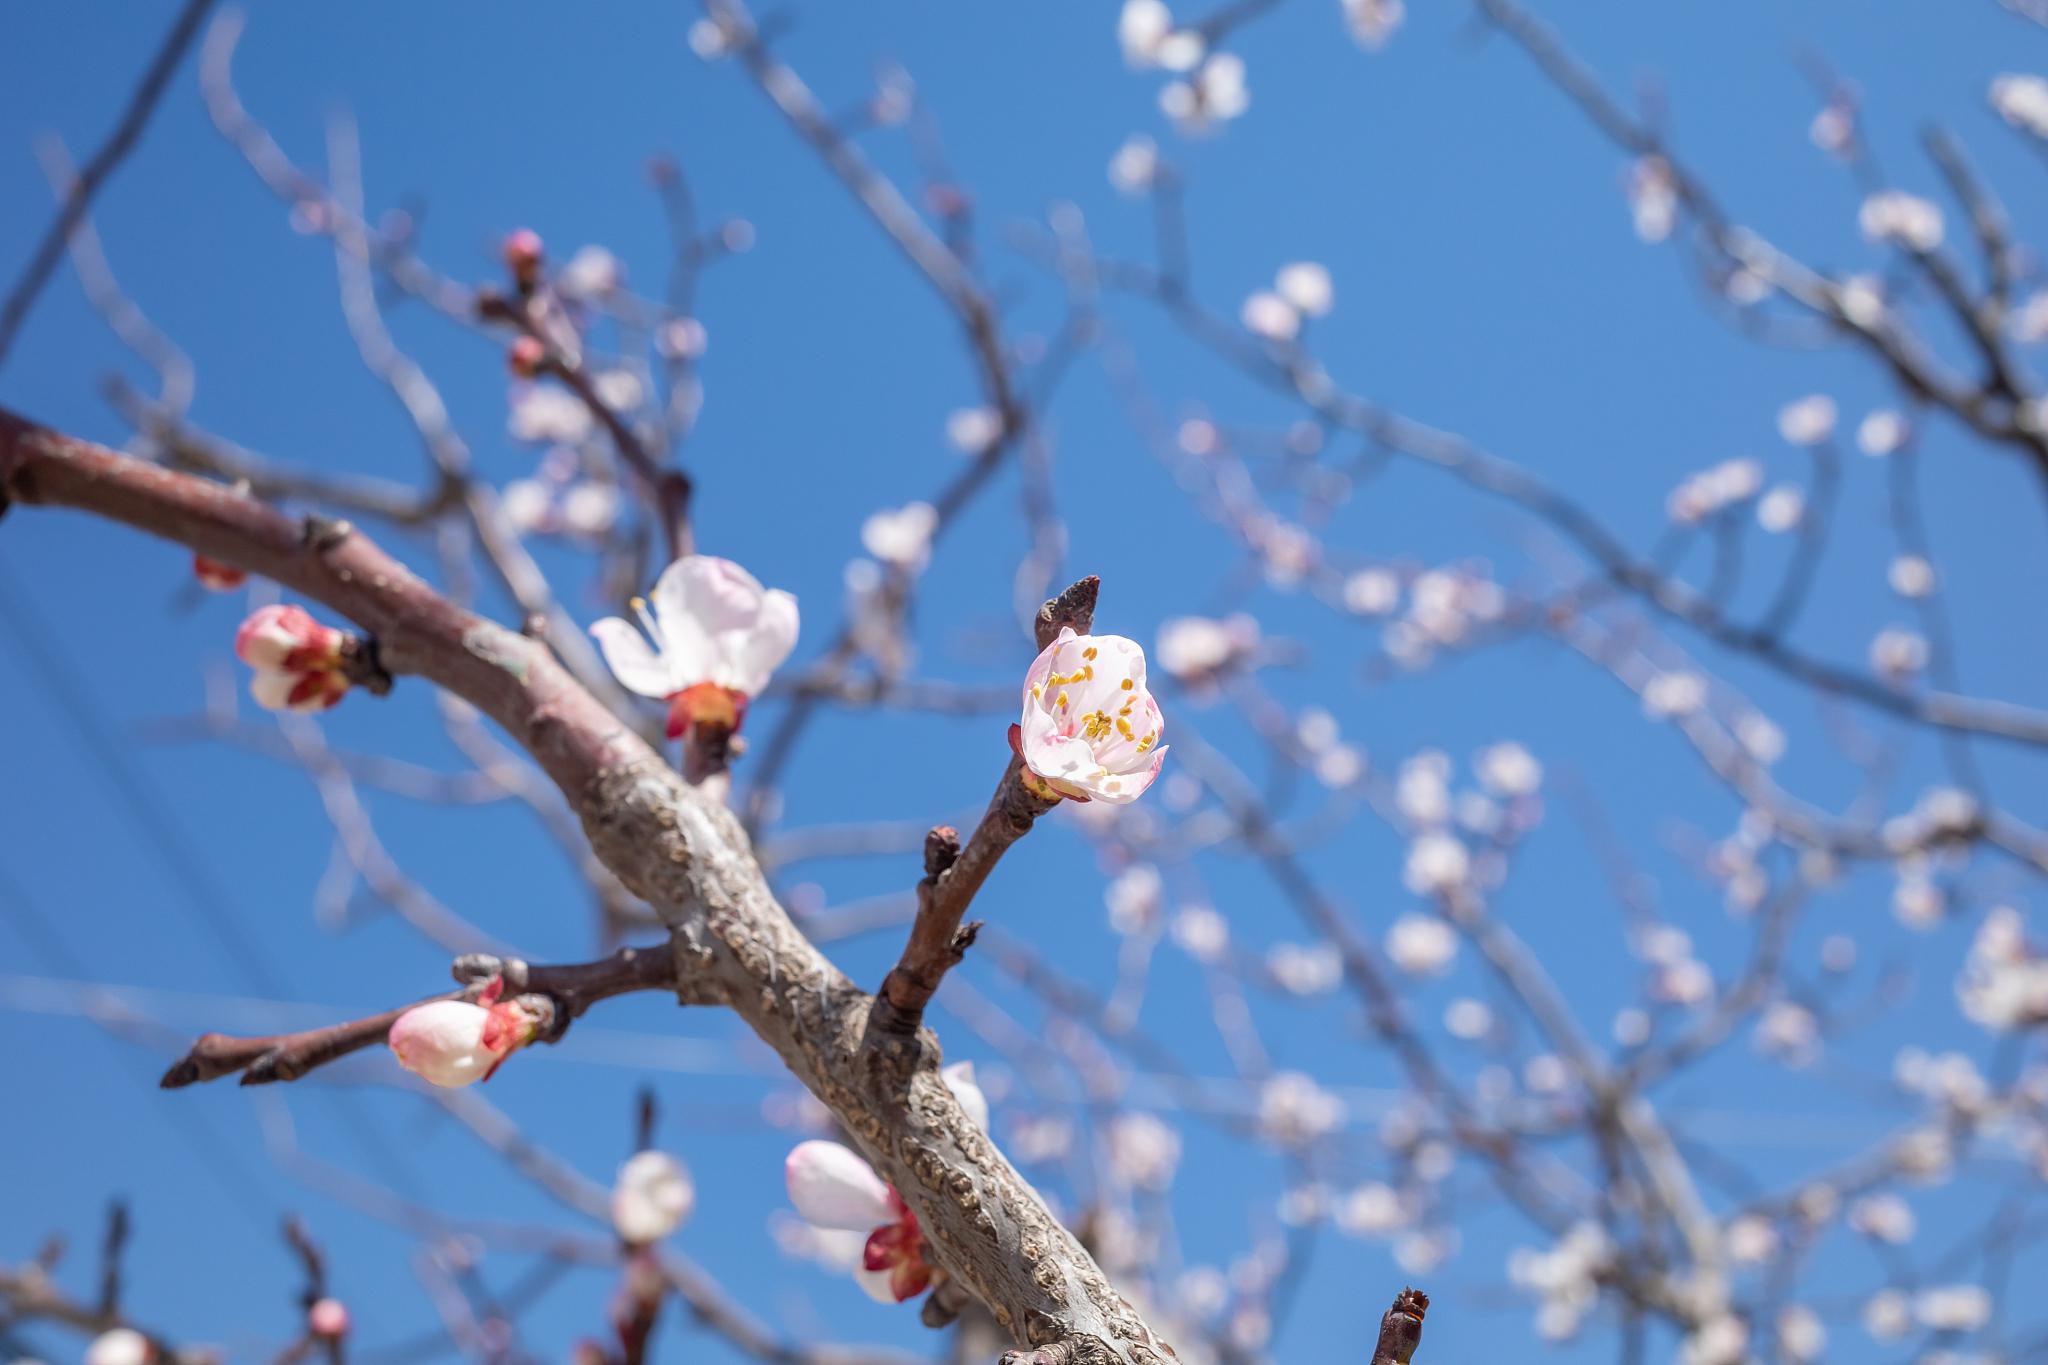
[(1210, 88), (1301, 290), (1891, 1314), (1653, 197), (1900, 219), (555, 500), (1712, 490), (1564, 1279), (1197, 651), (2004, 982), (297, 664), (1446, 607)]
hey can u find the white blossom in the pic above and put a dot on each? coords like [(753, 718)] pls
[(1673, 694), (1953, 1308), (1509, 770), (1911, 576), (1898, 653), (1215, 93), (591, 273), (2022, 101), (1801, 1336), (1136, 898), (1195, 649), (119, 1346), (1372, 22), (1781, 509), (1372, 592), (1135, 165), (1421, 945), (1266, 314), (1808, 421), (1141, 26), (544, 413), (651, 1197), (1901, 219), (901, 536), (1437, 864), (1750, 1239), (710, 622), (1882, 432), (1653, 198), (1887, 1315), (1294, 1110), (1143, 1150), (972, 430), (1306, 285)]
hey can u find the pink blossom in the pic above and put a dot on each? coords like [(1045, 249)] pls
[(1090, 729), (297, 662), (717, 636), (217, 576), (328, 1319), (452, 1043)]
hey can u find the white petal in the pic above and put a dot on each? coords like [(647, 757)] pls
[(959, 1078), (626, 652), (875, 1284), (833, 1187), (751, 656), (716, 593)]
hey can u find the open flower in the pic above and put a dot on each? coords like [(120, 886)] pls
[(717, 637), (837, 1192), (297, 661), (119, 1346), (1090, 729), (651, 1198), (452, 1043)]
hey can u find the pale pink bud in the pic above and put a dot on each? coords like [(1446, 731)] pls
[(525, 357), (452, 1043), (328, 1319), (275, 689), (523, 253), (288, 638)]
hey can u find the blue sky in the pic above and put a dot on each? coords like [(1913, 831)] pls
[(1487, 280)]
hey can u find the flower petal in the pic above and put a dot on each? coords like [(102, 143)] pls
[(833, 1187), (632, 661), (877, 1284), (752, 654)]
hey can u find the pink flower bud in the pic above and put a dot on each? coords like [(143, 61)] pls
[(452, 1043), (287, 638), (328, 1319), (523, 256), (525, 357), (215, 576)]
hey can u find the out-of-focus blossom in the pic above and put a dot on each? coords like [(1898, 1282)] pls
[(1882, 432), (120, 1346), (1215, 93), (1135, 165), (453, 1043), (1781, 509), (1565, 1279), (1703, 494), (681, 339), (1901, 219), (1721, 1340), (295, 662), (1266, 314), (708, 40), (1883, 1218), (1141, 26), (2004, 984), (592, 273), (1305, 969), (1090, 728), (1306, 286), (1801, 1335), (1294, 1110), (2022, 101), (1372, 592), (524, 255), (1143, 1150), (1684, 982), (216, 575), (1201, 932), (651, 1197), (1199, 649), (1898, 653), (1372, 22), (527, 504), (1437, 864), (1468, 1020), (1953, 1307), (541, 413), (1136, 899), (1808, 421), (1911, 576), (1673, 694), (1508, 769), (1421, 945), (717, 636), (1887, 1315), (2029, 320), (1371, 1210), (1750, 1239), (1833, 129), (973, 430), (1653, 198), (590, 509), (1789, 1031), (328, 1319), (901, 536)]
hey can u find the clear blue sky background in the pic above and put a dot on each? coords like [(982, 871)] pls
[(1487, 280)]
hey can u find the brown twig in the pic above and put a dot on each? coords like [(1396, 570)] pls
[(1401, 1328), (953, 873), (567, 989)]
